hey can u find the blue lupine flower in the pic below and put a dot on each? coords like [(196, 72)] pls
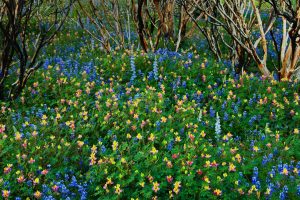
[(283, 194), (29, 183), (150, 75), (64, 189), (236, 109), (224, 105), (46, 189), (83, 193), (270, 156), (67, 177), (255, 175), (280, 167), (226, 116), (133, 69), (157, 125), (103, 149), (254, 179), (298, 165), (265, 160), (241, 174), (252, 143), (218, 126), (272, 173), (291, 166), (251, 101), (257, 184), (212, 112), (48, 198), (252, 120), (73, 182), (155, 69), (182, 131), (170, 145), (93, 43)]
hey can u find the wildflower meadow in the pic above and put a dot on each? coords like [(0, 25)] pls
[(134, 124)]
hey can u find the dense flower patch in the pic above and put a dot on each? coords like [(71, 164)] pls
[(162, 125)]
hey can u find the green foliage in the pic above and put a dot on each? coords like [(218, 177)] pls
[(85, 121)]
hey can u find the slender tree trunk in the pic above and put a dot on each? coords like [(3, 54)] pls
[(2, 94), (169, 19), (141, 25)]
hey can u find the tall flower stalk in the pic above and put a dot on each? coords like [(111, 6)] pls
[(155, 69), (133, 69), (218, 126)]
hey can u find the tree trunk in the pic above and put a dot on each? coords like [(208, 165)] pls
[(2, 94), (141, 26), (169, 20)]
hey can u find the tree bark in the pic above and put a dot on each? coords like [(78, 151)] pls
[(2, 94), (141, 25)]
